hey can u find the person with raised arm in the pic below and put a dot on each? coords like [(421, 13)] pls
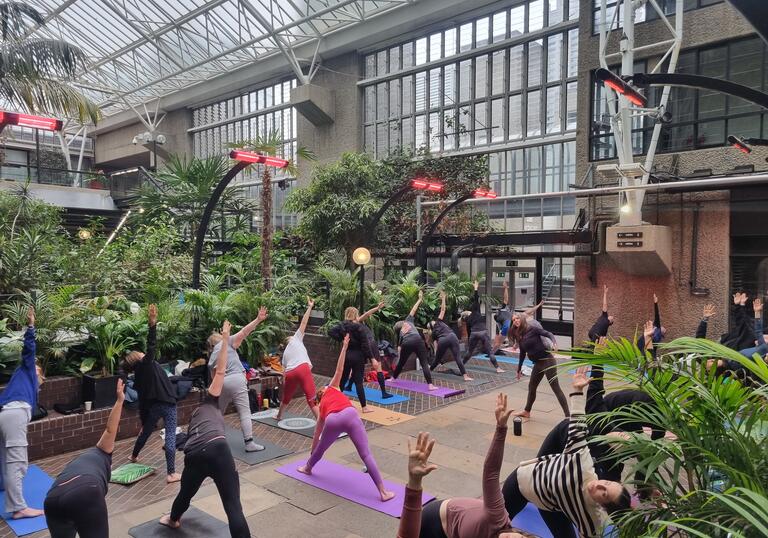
[(76, 502), (444, 340), (503, 320), (337, 416), (297, 367), (17, 402), (157, 397), (659, 331), (207, 454), (701, 330), (600, 328), (374, 349), (459, 517), (478, 332), (410, 342), (357, 354), (235, 388)]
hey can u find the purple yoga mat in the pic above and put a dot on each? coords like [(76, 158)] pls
[(350, 484), (416, 386)]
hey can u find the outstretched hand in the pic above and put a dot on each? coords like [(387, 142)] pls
[(743, 299), (648, 330), (418, 460), (757, 305), (310, 304), (120, 390), (709, 311), (655, 299), (476, 285), (502, 411), (263, 312), (31, 316), (345, 342), (152, 315), (421, 294), (226, 328), (580, 379), (381, 305)]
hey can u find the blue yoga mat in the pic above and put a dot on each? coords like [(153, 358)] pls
[(528, 519), (374, 395), (502, 358), (36, 485)]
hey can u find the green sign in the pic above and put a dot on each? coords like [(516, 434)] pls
[(501, 275), (524, 275)]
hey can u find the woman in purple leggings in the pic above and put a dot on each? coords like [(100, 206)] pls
[(337, 416)]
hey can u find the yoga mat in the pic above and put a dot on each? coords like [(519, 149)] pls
[(270, 452), (35, 485), (194, 523), (506, 360), (382, 416), (529, 519), (374, 395), (350, 484), (457, 378), (423, 388), (270, 421)]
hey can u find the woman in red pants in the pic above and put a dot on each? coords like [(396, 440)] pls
[(298, 367)]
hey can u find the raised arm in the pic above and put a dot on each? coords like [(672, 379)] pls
[(701, 330), (656, 315), (151, 353), (475, 307), (418, 468), (492, 497), (415, 308), (441, 315), (305, 319), (29, 351), (243, 333), (506, 293), (529, 312), (221, 364), (577, 427), (757, 305), (605, 299), (369, 313), (336, 380), (107, 441), (596, 392)]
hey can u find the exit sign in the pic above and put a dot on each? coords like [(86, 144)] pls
[(525, 275), (501, 275)]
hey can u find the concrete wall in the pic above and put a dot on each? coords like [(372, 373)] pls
[(72, 197), (345, 133)]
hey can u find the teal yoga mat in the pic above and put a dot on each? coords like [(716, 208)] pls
[(374, 395)]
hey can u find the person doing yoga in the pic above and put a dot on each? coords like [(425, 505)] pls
[(529, 340), (76, 504), (235, 387), (444, 340), (157, 397), (17, 402), (337, 416), (567, 482), (478, 332), (359, 351), (760, 347), (297, 368), (410, 342), (459, 517), (373, 347), (503, 320), (207, 454), (600, 328), (659, 331)]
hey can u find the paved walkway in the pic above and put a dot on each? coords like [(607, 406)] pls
[(278, 506)]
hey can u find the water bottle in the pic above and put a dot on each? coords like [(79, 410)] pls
[(517, 426)]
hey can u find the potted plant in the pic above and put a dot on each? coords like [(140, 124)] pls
[(96, 180), (108, 341)]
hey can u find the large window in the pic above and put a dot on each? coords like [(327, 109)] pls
[(504, 93), (247, 116), (645, 13), (700, 118)]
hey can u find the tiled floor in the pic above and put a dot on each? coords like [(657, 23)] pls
[(278, 506)]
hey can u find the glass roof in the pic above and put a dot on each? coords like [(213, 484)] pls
[(144, 49)]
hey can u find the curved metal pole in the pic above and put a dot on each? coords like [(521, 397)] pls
[(392, 199), (426, 240), (202, 229), (702, 83)]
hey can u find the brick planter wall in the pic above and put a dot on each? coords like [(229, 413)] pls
[(57, 434), (60, 389)]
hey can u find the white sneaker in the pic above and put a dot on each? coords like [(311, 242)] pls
[(250, 446)]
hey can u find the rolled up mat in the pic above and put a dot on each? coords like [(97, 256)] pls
[(374, 395), (194, 523), (36, 485), (423, 388), (351, 484), (237, 446)]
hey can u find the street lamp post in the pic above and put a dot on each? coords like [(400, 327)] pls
[(361, 256)]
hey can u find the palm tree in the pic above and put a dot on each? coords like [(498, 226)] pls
[(34, 72), (270, 144)]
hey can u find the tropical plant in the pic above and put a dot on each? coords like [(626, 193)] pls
[(110, 338), (35, 72), (270, 144), (458, 289), (712, 477)]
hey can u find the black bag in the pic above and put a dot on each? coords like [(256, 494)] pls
[(182, 385), (39, 413), (68, 409)]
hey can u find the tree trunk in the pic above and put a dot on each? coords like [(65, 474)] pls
[(266, 228)]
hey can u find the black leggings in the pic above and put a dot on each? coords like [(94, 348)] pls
[(514, 501), (431, 526), (450, 342), (545, 367), (77, 508), (213, 460), (417, 346), (354, 365), (482, 340)]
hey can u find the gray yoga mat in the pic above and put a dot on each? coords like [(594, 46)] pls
[(270, 421), (448, 376), (194, 523), (270, 452)]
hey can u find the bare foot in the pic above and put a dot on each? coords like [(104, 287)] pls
[(171, 478), (467, 378), (500, 370), (166, 520), (367, 409), (27, 512), (386, 495), (432, 387), (523, 414), (134, 459), (305, 470)]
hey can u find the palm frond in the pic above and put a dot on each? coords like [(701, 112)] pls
[(47, 96), (41, 58), (17, 18)]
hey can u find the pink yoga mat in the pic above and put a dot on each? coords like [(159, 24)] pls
[(350, 484), (416, 386)]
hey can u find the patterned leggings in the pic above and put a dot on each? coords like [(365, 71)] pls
[(149, 418)]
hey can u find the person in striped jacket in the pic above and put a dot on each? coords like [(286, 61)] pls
[(567, 482)]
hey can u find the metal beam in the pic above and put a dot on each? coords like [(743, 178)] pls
[(554, 237)]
